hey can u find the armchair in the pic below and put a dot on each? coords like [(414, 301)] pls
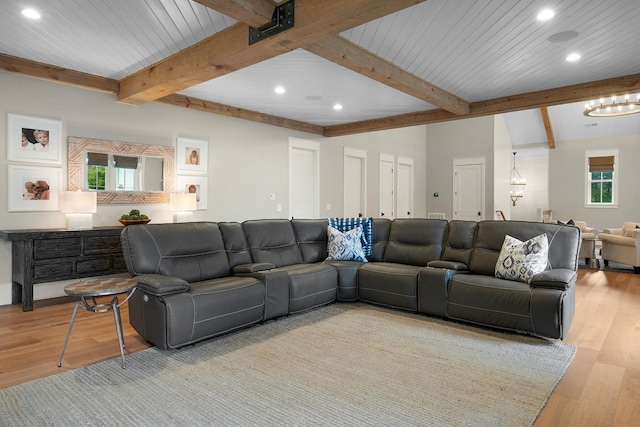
[(622, 245), (588, 246)]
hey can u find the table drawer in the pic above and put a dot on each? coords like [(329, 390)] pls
[(56, 248), (119, 265), (52, 272), (102, 245), (97, 266)]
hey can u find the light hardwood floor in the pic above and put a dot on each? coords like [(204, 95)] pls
[(601, 387)]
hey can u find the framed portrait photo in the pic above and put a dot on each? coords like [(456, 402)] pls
[(33, 140), (194, 184), (192, 155), (33, 188)]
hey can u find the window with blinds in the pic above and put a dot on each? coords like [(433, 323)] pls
[(601, 178)]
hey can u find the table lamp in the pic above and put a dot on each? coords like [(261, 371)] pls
[(182, 205), (79, 207)]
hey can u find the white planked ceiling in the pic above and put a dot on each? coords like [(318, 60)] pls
[(477, 50)]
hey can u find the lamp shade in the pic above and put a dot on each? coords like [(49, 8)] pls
[(182, 202), (79, 201)]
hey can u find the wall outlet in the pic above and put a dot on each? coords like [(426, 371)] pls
[(279, 207), (328, 206)]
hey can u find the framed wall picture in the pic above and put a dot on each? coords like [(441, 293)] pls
[(192, 155), (194, 184), (33, 188), (33, 140)]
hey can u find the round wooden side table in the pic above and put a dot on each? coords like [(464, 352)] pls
[(89, 290)]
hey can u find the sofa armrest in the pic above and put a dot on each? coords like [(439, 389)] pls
[(620, 240), (158, 284), (449, 265), (252, 268), (556, 278)]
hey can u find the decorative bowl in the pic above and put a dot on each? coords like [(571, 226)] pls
[(126, 222)]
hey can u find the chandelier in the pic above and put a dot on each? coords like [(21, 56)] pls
[(517, 183), (612, 107)]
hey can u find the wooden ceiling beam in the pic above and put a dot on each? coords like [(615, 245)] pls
[(507, 104), (229, 50), (546, 120), (52, 73), (251, 12), (349, 55), (240, 113)]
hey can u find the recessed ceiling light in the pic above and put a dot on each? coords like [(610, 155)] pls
[(279, 90), (573, 57), (545, 15), (337, 107), (31, 13)]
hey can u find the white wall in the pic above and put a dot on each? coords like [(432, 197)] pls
[(247, 160), (502, 155), (406, 142), (567, 181), (470, 138), (536, 193)]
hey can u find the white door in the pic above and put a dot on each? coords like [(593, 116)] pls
[(404, 192), (303, 178), (355, 182), (468, 189), (387, 181)]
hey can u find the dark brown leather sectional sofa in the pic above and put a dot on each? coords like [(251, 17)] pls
[(198, 280)]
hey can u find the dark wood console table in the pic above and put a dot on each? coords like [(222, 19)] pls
[(48, 255)]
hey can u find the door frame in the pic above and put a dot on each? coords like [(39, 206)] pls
[(464, 162), (407, 161), (362, 155), (313, 146)]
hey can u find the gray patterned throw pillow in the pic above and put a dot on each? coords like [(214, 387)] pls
[(345, 246), (522, 260)]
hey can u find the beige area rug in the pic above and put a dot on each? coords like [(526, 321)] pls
[(341, 365)]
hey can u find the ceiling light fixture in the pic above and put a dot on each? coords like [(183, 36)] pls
[(573, 57), (617, 106), (517, 183), (337, 107), (31, 13), (545, 15), (279, 90)]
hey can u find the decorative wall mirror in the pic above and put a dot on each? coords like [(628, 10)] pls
[(121, 172)]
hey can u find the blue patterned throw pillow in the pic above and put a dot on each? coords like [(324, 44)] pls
[(345, 246), (346, 224), (522, 260)]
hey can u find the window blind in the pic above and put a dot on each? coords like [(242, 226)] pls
[(97, 159), (601, 164), (125, 162)]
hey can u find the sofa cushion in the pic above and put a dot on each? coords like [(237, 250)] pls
[(366, 224), (628, 227), (311, 235), (272, 241), (415, 241), (389, 284), (235, 243), (345, 246), (459, 241), (490, 301), (310, 285), (564, 243), (381, 227), (520, 260), (192, 251)]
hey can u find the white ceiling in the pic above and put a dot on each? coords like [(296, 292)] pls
[(477, 50)]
